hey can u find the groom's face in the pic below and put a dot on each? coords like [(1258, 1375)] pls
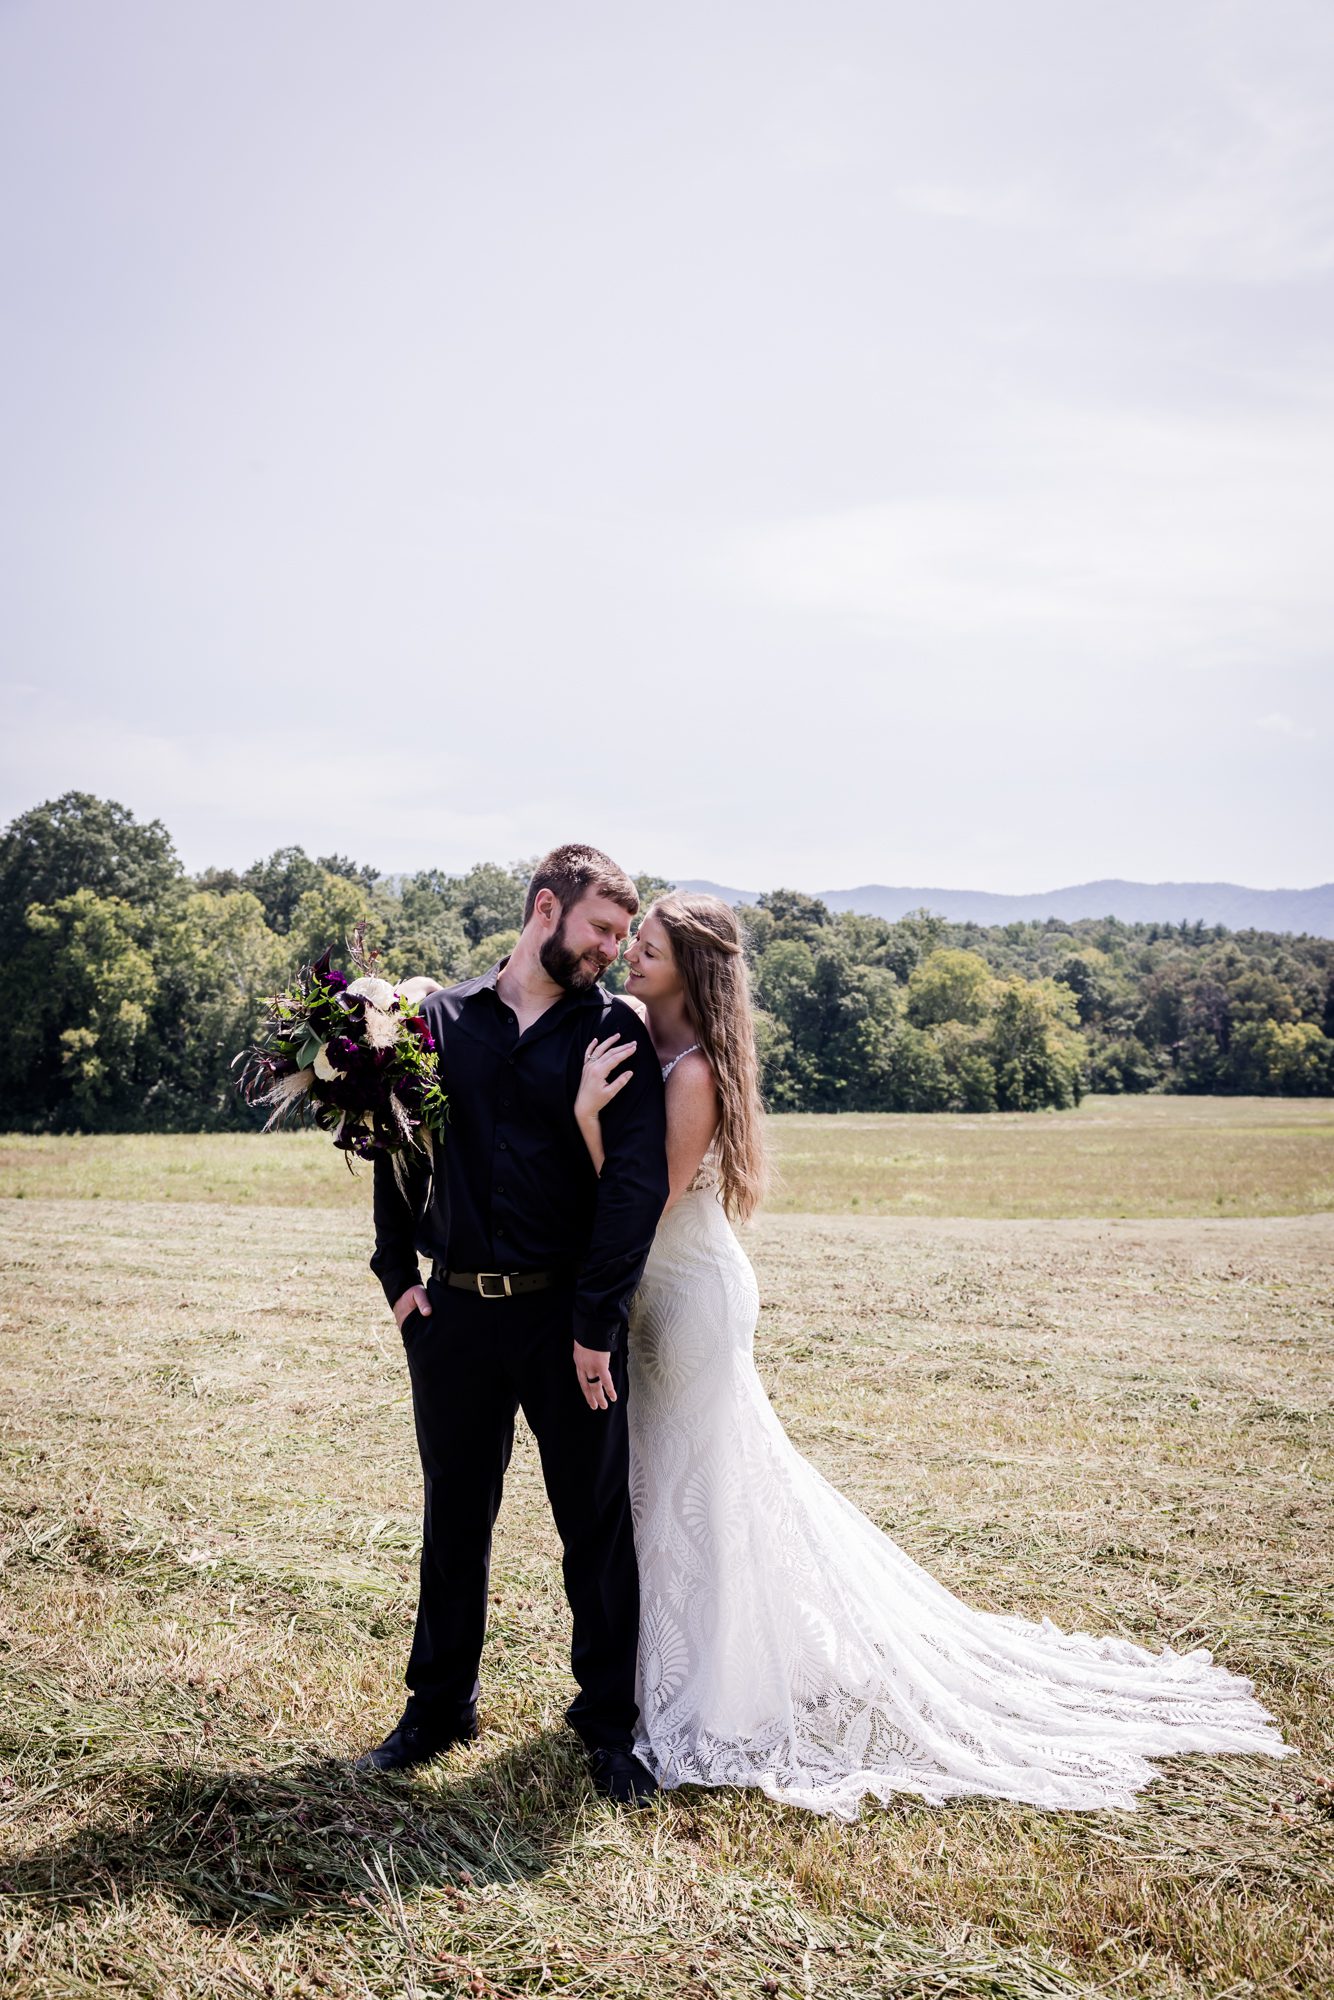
[(586, 940)]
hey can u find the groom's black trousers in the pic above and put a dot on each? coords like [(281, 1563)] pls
[(474, 1362)]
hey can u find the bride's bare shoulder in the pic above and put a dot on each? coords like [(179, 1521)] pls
[(638, 1005)]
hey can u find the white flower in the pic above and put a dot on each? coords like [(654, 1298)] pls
[(377, 992), (324, 1069)]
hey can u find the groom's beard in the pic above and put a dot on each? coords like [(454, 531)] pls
[(568, 968)]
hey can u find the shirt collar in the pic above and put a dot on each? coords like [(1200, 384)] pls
[(594, 995)]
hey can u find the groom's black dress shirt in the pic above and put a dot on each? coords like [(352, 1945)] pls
[(514, 1188)]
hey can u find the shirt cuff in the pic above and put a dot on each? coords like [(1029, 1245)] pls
[(401, 1279), (594, 1331)]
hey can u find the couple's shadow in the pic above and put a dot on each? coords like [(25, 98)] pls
[(278, 1844)]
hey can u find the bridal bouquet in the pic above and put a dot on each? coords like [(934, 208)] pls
[(348, 1055)]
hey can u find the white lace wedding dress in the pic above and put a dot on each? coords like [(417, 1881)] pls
[(786, 1643)]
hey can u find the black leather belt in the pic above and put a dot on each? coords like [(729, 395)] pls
[(495, 1284)]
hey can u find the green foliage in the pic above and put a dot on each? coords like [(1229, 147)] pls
[(1035, 1046), (949, 986), (80, 842), (281, 882), (1121, 1066), (217, 961), (127, 987), (89, 989), (484, 955), (326, 914), (1287, 1058), (423, 932), (793, 915), (489, 899), (968, 1065)]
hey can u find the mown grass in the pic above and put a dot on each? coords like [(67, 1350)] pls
[(207, 1548), (1149, 1156)]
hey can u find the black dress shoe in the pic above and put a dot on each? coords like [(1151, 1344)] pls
[(413, 1742), (619, 1775)]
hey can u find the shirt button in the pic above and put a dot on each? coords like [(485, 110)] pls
[(500, 1190), (504, 1145)]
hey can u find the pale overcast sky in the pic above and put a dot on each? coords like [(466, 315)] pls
[(813, 443)]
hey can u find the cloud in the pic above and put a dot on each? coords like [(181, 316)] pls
[(1283, 725), (1147, 541), (1248, 198), (228, 797), (1230, 180), (994, 206)]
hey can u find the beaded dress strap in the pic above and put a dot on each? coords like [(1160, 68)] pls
[(668, 1067)]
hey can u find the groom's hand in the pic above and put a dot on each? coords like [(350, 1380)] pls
[(593, 1367), (413, 1300)]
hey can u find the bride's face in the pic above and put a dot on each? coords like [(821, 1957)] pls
[(652, 969)]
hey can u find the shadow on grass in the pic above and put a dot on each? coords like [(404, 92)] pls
[(278, 1845)]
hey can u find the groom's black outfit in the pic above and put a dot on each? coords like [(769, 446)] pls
[(515, 1192)]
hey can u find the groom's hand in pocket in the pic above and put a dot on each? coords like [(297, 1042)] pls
[(593, 1368), (411, 1301)]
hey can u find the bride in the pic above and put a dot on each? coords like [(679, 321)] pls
[(785, 1642)]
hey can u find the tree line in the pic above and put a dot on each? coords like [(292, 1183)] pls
[(127, 985)]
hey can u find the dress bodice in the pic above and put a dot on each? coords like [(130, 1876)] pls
[(668, 1067)]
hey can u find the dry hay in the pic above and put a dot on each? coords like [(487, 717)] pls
[(206, 1585)]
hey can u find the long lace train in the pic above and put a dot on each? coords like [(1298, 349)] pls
[(786, 1643)]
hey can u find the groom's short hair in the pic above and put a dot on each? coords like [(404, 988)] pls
[(572, 871)]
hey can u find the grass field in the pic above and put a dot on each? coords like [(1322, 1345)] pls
[(1076, 1364), (1141, 1156)]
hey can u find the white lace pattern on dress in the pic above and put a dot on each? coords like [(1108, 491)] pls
[(786, 1643)]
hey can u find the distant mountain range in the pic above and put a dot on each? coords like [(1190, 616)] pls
[(1240, 909)]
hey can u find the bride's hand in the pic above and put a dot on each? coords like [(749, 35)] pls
[(598, 1086)]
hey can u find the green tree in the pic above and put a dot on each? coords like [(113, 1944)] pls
[(489, 899), (950, 986), (88, 987), (326, 914), (1256, 995), (650, 887), (783, 1082), (842, 1024), (80, 842), (917, 1078), (784, 975), (484, 955), (217, 961), (422, 930), (1036, 1048), (966, 1059), (910, 940), (280, 882), (1281, 1058), (795, 916), (1099, 993), (350, 870), (1121, 1065)]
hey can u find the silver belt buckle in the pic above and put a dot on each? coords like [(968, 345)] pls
[(500, 1279)]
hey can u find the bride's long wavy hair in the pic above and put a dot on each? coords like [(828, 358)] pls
[(710, 955)]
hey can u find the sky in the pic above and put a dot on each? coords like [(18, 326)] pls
[(814, 444)]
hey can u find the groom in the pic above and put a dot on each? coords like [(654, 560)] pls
[(533, 1262)]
